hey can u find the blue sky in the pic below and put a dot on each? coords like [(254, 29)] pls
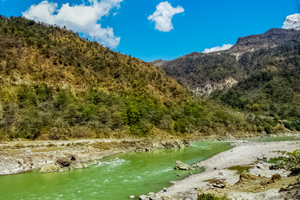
[(126, 25)]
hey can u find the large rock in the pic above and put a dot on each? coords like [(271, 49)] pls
[(72, 157), (294, 172), (219, 184), (182, 166), (50, 168), (77, 165), (63, 161), (63, 164), (247, 177), (275, 178), (64, 169)]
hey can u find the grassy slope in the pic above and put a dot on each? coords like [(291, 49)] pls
[(56, 85)]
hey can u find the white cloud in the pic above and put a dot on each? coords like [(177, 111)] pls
[(218, 48), (292, 22), (163, 16), (80, 18)]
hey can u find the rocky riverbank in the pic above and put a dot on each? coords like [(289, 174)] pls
[(51, 156), (219, 180)]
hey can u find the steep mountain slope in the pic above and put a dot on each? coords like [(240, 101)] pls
[(260, 73), (272, 86), (56, 85), (272, 38), (205, 73), (33, 53)]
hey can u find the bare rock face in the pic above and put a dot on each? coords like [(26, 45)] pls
[(213, 86), (158, 63)]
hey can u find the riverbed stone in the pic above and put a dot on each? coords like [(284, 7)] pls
[(76, 165), (275, 178), (63, 161), (143, 197), (84, 165), (49, 168), (219, 184), (182, 166), (64, 169), (151, 195)]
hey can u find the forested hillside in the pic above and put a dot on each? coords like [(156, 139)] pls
[(56, 85), (272, 86), (204, 71), (260, 74)]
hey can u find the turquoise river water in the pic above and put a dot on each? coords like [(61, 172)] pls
[(114, 178)]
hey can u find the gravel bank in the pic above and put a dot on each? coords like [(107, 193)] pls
[(20, 156), (243, 153)]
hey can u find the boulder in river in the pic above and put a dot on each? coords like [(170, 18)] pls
[(182, 166), (64, 169), (78, 165), (50, 168), (63, 164)]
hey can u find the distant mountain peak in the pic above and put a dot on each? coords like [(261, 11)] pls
[(269, 39), (292, 22)]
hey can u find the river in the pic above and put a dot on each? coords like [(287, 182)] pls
[(114, 178)]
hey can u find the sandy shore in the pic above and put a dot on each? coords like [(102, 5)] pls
[(244, 153)]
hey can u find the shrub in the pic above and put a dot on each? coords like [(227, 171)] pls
[(211, 197), (289, 160)]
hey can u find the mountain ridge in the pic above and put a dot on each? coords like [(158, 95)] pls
[(184, 68), (56, 85), (255, 75)]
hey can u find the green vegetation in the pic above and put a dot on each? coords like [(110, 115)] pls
[(44, 112), (240, 169), (195, 69), (211, 197), (289, 161), (56, 85), (268, 87), (272, 87)]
